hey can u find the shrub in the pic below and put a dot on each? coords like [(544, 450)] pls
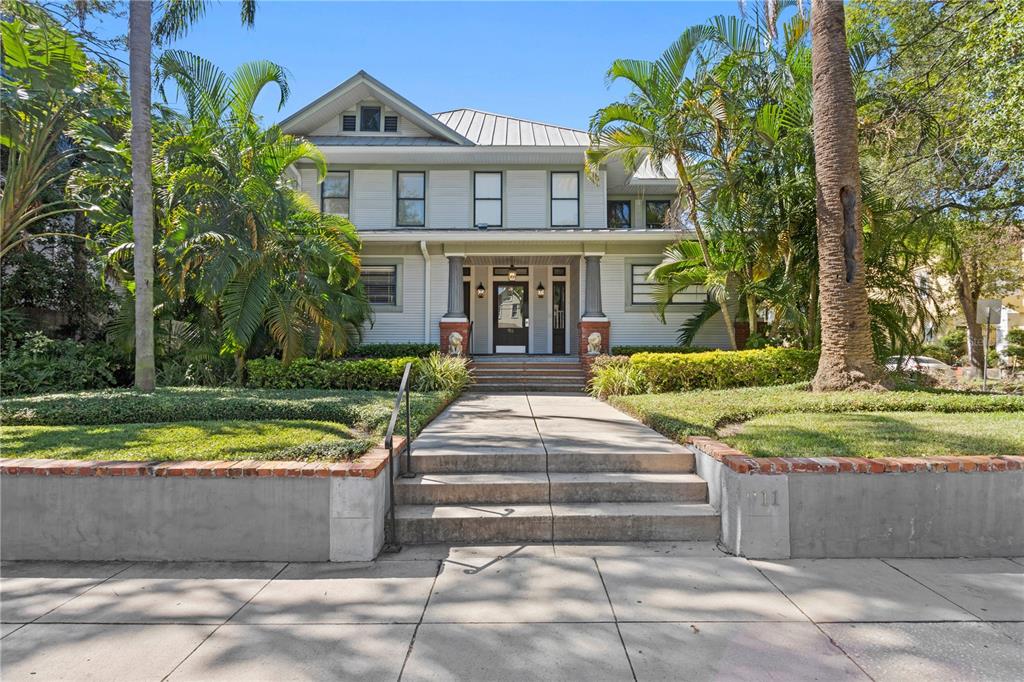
[(668, 372), (939, 352), (615, 375), (367, 375), (39, 364), (633, 350), (955, 343), (393, 350), (368, 411), (446, 373)]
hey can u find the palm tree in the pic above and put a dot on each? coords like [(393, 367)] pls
[(847, 360), (177, 17), (667, 118)]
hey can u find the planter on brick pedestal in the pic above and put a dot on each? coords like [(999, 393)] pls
[(455, 326), (600, 326)]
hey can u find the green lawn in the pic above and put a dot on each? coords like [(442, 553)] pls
[(881, 434), (192, 440), (203, 424), (827, 424)]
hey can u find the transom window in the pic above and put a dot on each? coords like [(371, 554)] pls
[(487, 199), (619, 215), (412, 209), (657, 213), (642, 290), (381, 284), (369, 119), (565, 199), (334, 195)]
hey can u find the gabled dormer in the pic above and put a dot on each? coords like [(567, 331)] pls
[(362, 110)]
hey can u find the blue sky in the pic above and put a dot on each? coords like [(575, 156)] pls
[(537, 60)]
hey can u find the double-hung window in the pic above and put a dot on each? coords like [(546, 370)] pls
[(412, 209), (487, 199), (334, 194), (657, 213), (619, 215), (381, 284), (641, 290), (565, 199)]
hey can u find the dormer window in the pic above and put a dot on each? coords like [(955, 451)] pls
[(390, 124), (369, 119)]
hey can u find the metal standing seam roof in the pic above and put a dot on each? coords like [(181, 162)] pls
[(487, 129)]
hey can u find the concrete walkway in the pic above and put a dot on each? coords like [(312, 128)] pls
[(537, 424), (660, 611)]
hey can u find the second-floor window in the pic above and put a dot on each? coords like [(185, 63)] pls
[(412, 199), (657, 213), (619, 215), (565, 199), (487, 199), (334, 194)]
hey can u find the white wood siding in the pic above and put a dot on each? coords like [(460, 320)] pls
[(309, 184), (438, 295), (595, 203), (373, 199), (407, 325), (526, 192), (633, 327), (449, 199)]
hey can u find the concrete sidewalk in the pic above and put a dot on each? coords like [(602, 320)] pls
[(654, 611)]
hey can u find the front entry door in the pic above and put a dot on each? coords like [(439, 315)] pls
[(511, 318)]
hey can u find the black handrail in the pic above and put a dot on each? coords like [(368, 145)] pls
[(467, 351), (391, 544)]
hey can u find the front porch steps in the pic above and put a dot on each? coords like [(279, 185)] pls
[(528, 373)]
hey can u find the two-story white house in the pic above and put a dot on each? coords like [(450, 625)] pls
[(487, 226)]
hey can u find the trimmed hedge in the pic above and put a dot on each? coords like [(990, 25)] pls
[(671, 372), (393, 350), (633, 350), (371, 374), (365, 410), (668, 372)]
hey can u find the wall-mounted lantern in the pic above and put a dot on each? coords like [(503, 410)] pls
[(540, 290), (480, 291)]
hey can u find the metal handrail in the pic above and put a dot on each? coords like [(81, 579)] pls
[(467, 351), (391, 545)]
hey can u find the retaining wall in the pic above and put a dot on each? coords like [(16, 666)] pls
[(193, 511), (782, 507)]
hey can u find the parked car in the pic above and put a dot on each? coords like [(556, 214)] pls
[(922, 364)]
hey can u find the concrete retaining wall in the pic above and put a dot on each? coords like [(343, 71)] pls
[(191, 518), (841, 515)]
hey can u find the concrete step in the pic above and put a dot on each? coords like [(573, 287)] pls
[(538, 487), (604, 522), (529, 378), (528, 372), (495, 461), (548, 387)]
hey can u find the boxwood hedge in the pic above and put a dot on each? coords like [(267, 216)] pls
[(371, 374)]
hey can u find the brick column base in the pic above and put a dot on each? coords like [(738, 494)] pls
[(588, 327), (460, 327)]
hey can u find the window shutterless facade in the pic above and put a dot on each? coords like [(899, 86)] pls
[(369, 119), (412, 203), (565, 199), (381, 284), (487, 192), (641, 290), (620, 215), (656, 211), (334, 194)]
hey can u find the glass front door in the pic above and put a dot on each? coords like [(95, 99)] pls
[(511, 318)]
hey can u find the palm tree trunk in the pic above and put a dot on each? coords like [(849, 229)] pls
[(139, 55), (691, 200), (847, 359)]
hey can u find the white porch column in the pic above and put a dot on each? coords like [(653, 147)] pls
[(456, 304), (592, 291)]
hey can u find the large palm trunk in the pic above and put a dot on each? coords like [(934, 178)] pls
[(847, 360), (139, 54)]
